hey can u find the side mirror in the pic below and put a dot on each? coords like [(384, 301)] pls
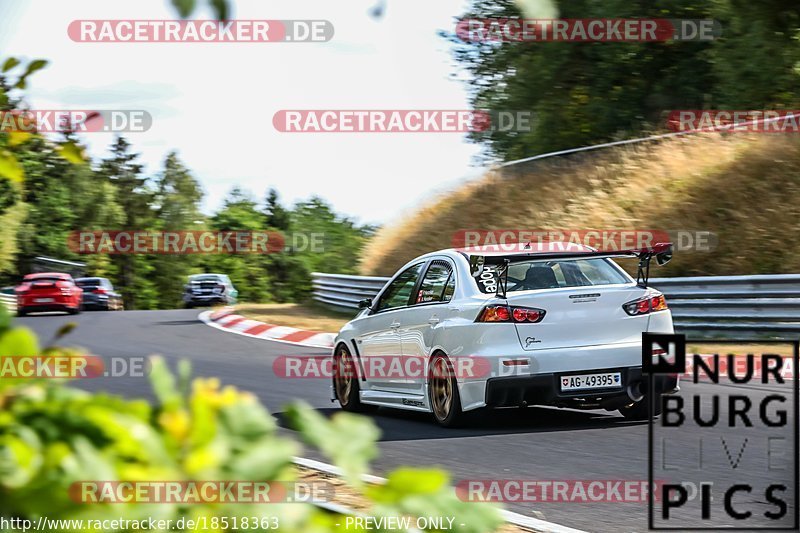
[(365, 304)]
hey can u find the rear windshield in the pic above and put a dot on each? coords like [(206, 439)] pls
[(532, 275), (88, 282)]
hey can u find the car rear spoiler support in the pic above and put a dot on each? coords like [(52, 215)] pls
[(502, 280), (643, 271), (663, 254)]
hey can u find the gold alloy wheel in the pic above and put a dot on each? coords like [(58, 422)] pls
[(441, 388), (343, 379)]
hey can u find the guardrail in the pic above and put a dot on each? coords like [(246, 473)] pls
[(649, 138), (732, 306), (341, 290), (735, 305), (9, 301)]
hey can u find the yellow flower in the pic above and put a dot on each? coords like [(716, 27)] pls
[(208, 391), (176, 423), (206, 385), (229, 396)]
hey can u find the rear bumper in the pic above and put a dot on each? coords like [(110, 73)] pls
[(545, 389), (96, 305), (43, 308), (196, 299), (96, 301), (537, 380)]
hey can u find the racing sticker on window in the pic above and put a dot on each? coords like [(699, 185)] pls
[(487, 281), (426, 295)]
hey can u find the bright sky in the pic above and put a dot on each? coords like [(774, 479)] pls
[(214, 103)]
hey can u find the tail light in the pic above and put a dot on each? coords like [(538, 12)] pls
[(504, 313), (100, 290), (648, 304), (219, 289)]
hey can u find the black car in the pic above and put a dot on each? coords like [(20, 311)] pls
[(99, 293), (209, 289)]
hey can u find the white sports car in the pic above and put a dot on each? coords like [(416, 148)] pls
[(557, 324)]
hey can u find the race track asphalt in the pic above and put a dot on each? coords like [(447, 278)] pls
[(534, 444)]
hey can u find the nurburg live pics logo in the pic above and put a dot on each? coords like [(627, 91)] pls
[(727, 446)]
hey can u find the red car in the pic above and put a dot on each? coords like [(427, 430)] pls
[(48, 291)]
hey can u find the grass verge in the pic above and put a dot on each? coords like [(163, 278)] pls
[(308, 316), (742, 188)]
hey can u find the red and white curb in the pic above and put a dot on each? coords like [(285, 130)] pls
[(227, 320)]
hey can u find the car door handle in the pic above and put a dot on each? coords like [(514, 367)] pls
[(395, 325), (433, 320)]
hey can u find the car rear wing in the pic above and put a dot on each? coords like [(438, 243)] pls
[(662, 252)]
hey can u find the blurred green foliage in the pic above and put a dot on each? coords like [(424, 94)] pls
[(185, 8), (53, 435)]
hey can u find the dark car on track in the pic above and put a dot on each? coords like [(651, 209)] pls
[(99, 293), (209, 289), (48, 291)]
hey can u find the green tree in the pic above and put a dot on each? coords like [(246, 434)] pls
[(248, 272), (277, 217), (341, 238), (135, 199), (177, 200), (584, 93)]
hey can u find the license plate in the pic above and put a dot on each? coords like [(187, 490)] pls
[(591, 381), (44, 300)]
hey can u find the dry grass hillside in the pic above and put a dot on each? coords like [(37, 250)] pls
[(745, 189)]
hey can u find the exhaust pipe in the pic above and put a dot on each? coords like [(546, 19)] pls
[(634, 391)]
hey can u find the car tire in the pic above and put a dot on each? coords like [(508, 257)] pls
[(639, 410), (21, 312), (188, 305), (345, 382), (443, 395), (74, 310)]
